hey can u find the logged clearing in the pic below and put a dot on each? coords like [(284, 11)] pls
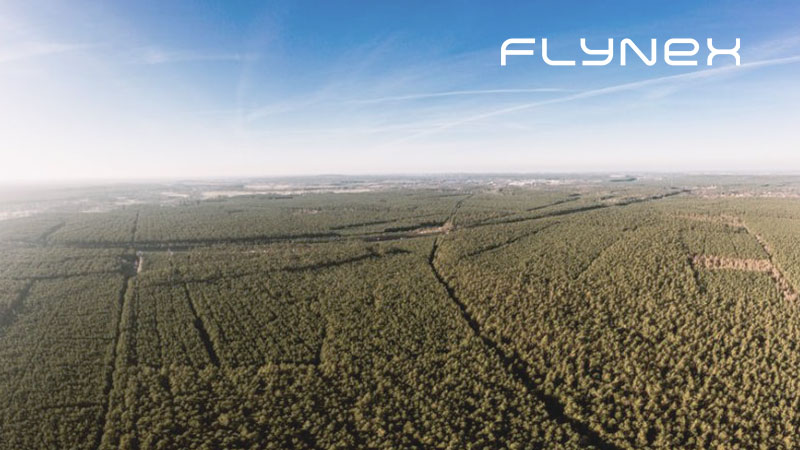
[(723, 262), (750, 265)]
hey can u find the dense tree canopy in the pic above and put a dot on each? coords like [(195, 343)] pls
[(621, 317)]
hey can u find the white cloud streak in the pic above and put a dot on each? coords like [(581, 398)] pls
[(632, 86), (154, 55), (425, 96)]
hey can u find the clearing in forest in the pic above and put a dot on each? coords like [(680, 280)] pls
[(749, 265)]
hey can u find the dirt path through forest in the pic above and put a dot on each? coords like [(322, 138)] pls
[(112, 369), (783, 284), (519, 368)]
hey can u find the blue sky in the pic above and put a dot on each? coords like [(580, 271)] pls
[(132, 90)]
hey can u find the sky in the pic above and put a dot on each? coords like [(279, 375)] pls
[(153, 89)]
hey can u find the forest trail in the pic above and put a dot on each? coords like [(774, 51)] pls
[(518, 368), (571, 198), (513, 362), (782, 283), (330, 236), (139, 262), (506, 243), (200, 325), (46, 235), (112, 369), (135, 227), (16, 305), (580, 209)]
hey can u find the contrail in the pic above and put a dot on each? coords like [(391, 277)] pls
[(456, 93), (700, 74), (262, 112)]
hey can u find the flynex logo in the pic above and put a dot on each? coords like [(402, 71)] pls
[(677, 52)]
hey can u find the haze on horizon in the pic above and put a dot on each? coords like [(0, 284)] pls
[(180, 89)]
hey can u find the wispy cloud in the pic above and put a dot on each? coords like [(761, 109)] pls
[(433, 95), (358, 78), (786, 43), (658, 82), (155, 55), (317, 99)]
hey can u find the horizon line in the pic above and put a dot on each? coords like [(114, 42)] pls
[(610, 173)]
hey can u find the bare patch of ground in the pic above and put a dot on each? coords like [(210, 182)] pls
[(725, 262), (444, 228), (789, 292), (712, 262), (753, 265)]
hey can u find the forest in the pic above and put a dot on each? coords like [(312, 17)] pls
[(610, 315)]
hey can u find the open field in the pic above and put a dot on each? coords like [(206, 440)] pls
[(467, 312)]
